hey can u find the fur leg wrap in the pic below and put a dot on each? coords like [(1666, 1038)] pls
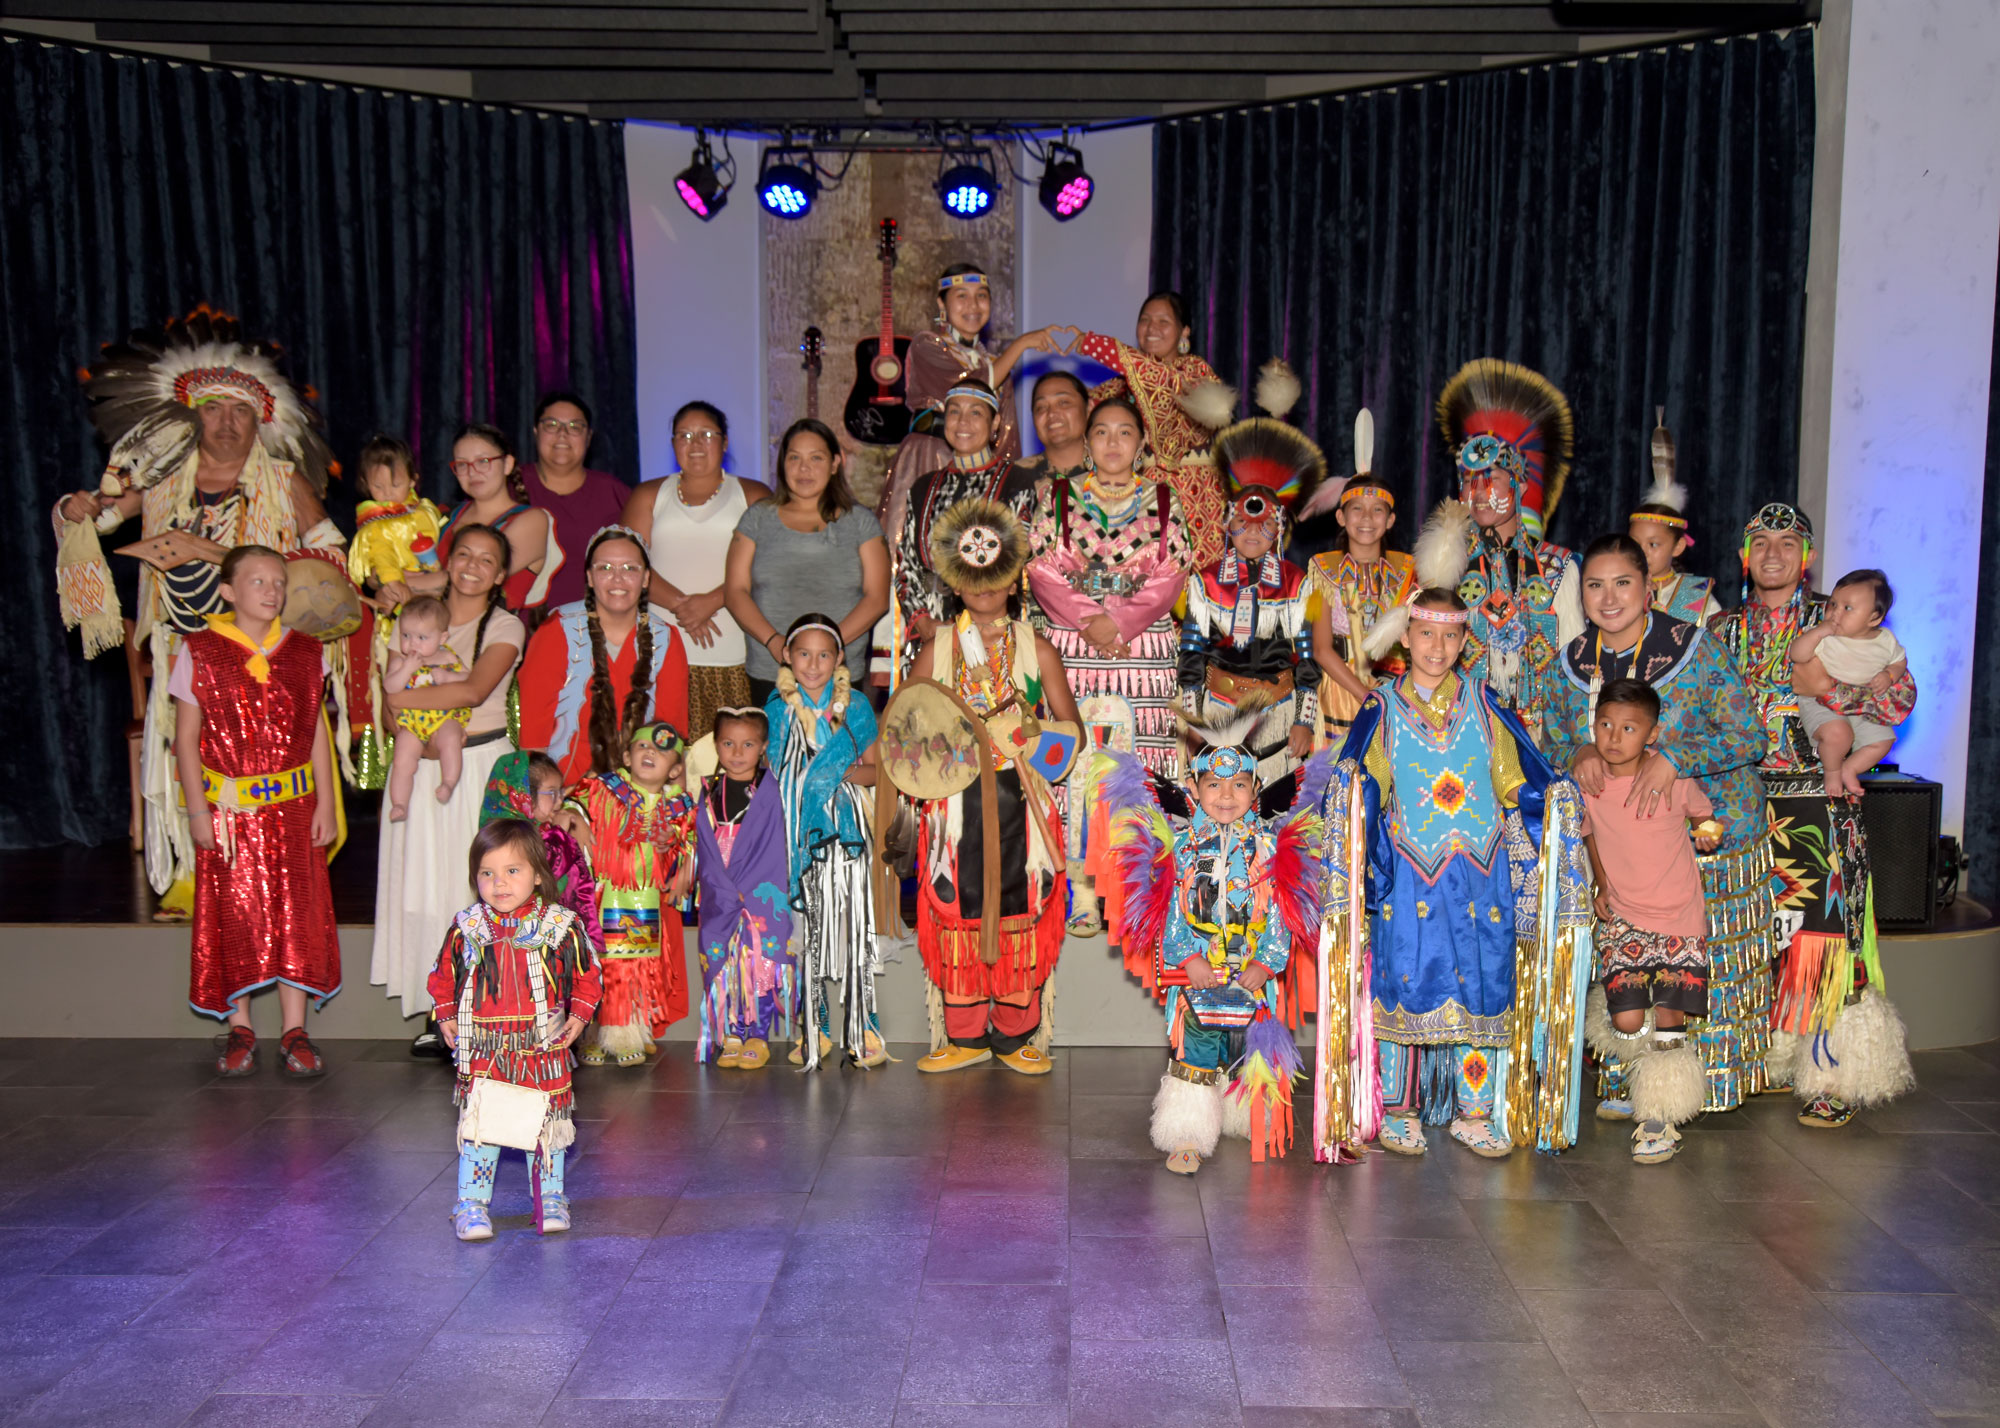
[(1597, 1028), (1863, 1061), (1669, 1085), (1629, 1048), (1781, 1062), (1186, 1116), (1236, 1109)]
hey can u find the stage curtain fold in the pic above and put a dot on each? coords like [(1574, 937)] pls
[(1981, 843), (1634, 227), (423, 262)]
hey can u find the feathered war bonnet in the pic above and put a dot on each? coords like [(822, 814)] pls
[(979, 546), (1504, 421), (1269, 467), (144, 392)]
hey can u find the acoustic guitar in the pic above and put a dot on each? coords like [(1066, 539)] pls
[(875, 408), (812, 350)]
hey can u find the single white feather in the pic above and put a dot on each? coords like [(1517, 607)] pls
[(1210, 404), (1386, 633), (1324, 499), (1278, 387), (1364, 442), (1665, 493)]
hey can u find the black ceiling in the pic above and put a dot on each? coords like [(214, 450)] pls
[(765, 63)]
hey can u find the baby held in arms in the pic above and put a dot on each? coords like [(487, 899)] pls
[(1841, 668)]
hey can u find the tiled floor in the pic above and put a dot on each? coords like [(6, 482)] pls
[(980, 1251)]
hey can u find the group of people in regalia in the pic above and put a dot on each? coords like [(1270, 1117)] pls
[(1464, 814)]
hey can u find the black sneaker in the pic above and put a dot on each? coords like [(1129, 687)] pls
[(429, 1044)]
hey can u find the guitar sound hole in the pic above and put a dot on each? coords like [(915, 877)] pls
[(886, 369)]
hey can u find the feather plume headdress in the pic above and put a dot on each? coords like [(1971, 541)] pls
[(144, 392), (1502, 418), (1443, 552), (1213, 736), (1665, 490), (1269, 467), (979, 546)]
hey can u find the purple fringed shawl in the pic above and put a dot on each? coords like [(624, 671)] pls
[(755, 880)]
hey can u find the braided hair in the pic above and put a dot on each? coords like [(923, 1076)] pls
[(609, 727)]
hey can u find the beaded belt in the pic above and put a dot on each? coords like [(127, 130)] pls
[(257, 790)]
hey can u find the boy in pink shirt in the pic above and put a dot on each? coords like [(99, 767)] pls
[(1651, 923)]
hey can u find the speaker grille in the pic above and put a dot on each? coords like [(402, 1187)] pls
[(1902, 817)]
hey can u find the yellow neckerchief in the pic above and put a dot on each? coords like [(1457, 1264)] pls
[(260, 666)]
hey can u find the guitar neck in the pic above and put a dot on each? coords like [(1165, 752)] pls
[(812, 395), (888, 304)]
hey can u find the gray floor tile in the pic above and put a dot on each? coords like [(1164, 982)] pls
[(1627, 1349), (814, 1383), (1441, 1290), (1486, 1385), (978, 1344), (1143, 1288), (1944, 1349), (1838, 1390), (1305, 1347), (1114, 1383)]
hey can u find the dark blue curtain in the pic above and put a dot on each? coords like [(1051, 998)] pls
[(1633, 227), (422, 261), (1982, 774)]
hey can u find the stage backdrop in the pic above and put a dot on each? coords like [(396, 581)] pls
[(824, 271), (423, 261), (1634, 227)]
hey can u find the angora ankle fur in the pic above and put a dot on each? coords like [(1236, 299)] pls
[(1669, 1085), (1235, 1110), (1186, 1116), (1866, 1058)]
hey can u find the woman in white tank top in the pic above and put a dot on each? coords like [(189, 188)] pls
[(689, 518)]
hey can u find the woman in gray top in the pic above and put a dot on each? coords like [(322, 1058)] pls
[(809, 549)]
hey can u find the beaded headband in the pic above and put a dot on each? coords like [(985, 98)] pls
[(1224, 763), (1439, 617), (1679, 523), (981, 393), (213, 384), (660, 734), (605, 533), (961, 280), (1352, 492)]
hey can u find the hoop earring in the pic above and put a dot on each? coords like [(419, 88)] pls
[(1185, 346)]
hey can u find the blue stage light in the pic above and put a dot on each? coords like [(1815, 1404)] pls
[(787, 188), (967, 190)]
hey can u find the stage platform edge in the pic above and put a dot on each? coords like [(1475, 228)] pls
[(104, 980)]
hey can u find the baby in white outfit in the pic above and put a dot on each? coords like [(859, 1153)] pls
[(1848, 646)]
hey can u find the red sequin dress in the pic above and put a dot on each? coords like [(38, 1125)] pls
[(263, 909)]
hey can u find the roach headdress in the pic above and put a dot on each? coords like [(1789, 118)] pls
[(979, 545), (1503, 420), (144, 391), (1269, 467)]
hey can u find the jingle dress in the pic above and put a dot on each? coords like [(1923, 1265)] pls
[(263, 908), (1710, 730), (829, 851), (1248, 634), (1001, 1006), (641, 841), (1179, 443), (1827, 967), (1356, 595), (750, 985)]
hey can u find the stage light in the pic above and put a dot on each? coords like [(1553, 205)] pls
[(786, 182), (967, 190), (1066, 188), (701, 187)]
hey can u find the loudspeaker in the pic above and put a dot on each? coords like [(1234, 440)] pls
[(1902, 814)]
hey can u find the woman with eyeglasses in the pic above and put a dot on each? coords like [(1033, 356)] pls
[(691, 515), (578, 500), (603, 666), (812, 548), (482, 461)]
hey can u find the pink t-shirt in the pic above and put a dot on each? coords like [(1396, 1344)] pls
[(1649, 862)]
